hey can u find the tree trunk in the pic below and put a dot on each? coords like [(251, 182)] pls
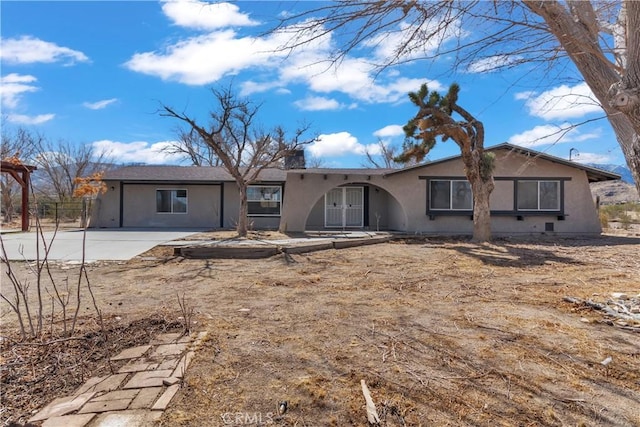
[(617, 96), (243, 211), (481, 210), (480, 176)]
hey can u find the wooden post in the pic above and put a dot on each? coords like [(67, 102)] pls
[(25, 200), (22, 174)]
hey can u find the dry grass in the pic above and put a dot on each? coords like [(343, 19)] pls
[(444, 332)]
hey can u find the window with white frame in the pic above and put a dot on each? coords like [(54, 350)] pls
[(171, 201), (450, 195), (538, 195), (264, 200)]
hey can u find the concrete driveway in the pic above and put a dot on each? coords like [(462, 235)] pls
[(115, 245)]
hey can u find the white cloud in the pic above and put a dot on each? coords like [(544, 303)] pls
[(137, 152), (387, 44), (99, 105), (552, 134), (250, 87), (339, 144), (197, 61), (12, 86), (317, 103), (207, 58), (591, 158), (27, 50), (353, 76), (493, 63), (205, 16), (29, 120), (389, 131), (562, 102)]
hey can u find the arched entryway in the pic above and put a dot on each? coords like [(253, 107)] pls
[(356, 206)]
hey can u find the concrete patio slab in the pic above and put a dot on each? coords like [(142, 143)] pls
[(101, 245)]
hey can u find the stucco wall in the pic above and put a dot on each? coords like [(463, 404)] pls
[(407, 198), (400, 200), (304, 200), (106, 210), (139, 206)]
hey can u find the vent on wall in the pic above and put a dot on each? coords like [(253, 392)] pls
[(548, 226)]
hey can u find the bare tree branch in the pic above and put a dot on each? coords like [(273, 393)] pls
[(505, 34), (239, 143)]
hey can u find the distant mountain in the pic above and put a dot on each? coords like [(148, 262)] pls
[(621, 170), (613, 192)]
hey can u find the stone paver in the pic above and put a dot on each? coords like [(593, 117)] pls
[(136, 395), (183, 364), (63, 406), (162, 403), (106, 383), (116, 395), (135, 366), (169, 349), (106, 406), (145, 398), (168, 363), (132, 353), (171, 338), (136, 418), (69, 421), (170, 381), (148, 379)]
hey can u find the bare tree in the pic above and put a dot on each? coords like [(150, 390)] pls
[(191, 146), (315, 162), (435, 119), (63, 163), (601, 38), (239, 143), (20, 145), (386, 158)]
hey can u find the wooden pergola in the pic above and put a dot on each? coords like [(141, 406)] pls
[(22, 174)]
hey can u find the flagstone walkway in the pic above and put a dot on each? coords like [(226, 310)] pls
[(146, 381)]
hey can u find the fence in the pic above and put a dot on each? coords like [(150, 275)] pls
[(65, 214)]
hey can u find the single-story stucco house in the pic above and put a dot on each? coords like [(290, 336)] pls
[(534, 193)]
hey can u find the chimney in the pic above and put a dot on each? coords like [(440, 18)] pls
[(294, 160)]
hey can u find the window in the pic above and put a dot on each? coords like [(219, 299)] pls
[(264, 200), (538, 195), (171, 201), (452, 195)]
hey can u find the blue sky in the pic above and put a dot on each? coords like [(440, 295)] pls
[(97, 73)]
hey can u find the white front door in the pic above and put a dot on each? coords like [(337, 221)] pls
[(344, 207)]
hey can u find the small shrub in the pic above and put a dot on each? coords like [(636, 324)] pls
[(625, 220), (604, 219)]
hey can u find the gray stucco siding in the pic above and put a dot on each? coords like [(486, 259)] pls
[(402, 199), (139, 208)]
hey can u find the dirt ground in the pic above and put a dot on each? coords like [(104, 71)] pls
[(444, 332)]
